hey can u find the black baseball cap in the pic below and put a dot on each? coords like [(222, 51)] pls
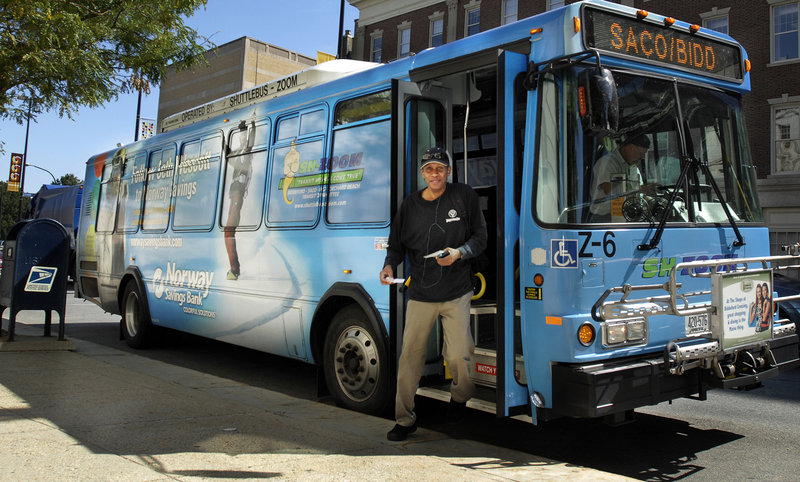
[(437, 155), (641, 140)]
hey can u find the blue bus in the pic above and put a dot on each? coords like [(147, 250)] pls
[(262, 219)]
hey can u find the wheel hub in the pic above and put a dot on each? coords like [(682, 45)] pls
[(356, 363)]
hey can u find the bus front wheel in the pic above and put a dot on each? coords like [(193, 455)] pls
[(136, 324), (356, 363)]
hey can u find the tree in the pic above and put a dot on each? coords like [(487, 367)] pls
[(69, 180), (66, 54), (10, 208)]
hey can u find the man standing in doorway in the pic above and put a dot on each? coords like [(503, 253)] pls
[(439, 228)]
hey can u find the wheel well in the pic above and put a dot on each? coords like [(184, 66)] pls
[(338, 298), (322, 320), (130, 276)]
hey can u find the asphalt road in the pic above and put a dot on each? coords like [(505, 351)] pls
[(731, 436)]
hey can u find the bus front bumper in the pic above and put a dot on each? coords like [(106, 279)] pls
[(600, 389)]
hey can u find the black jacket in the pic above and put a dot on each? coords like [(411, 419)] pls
[(421, 227)]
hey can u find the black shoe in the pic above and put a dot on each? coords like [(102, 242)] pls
[(400, 432), (455, 412)]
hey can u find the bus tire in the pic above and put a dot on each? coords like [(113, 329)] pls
[(136, 325), (356, 364)]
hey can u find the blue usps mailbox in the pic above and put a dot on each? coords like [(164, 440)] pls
[(34, 277)]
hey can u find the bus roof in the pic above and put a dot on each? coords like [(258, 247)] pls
[(311, 76)]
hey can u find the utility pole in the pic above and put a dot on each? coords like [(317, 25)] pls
[(25, 157), (138, 115), (340, 51)]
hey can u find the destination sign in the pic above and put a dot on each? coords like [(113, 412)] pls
[(629, 36)]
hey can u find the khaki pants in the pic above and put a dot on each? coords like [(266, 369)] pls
[(457, 351)]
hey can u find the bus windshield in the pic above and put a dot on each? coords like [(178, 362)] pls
[(666, 129)]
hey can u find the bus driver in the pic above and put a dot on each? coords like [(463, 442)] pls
[(616, 174)]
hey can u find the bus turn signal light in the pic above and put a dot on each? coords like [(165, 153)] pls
[(747, 65), (586, 334), (576, 24), (582, 101)]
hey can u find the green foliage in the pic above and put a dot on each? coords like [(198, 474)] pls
[(68, 54), (10, 209), (69, 180)]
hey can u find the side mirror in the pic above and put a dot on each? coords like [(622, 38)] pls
[(599, 103)]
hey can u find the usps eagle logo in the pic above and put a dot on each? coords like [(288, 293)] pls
[(40, 279)]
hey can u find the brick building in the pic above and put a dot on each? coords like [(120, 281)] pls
[(768, 29)]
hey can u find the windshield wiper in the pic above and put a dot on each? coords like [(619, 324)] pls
[(695, 165)]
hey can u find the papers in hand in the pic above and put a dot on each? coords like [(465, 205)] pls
[(435, 254)]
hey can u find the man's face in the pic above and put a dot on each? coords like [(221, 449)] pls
[(435, 175), (632, 153)]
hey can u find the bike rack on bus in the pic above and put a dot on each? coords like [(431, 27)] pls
[(701, 349)]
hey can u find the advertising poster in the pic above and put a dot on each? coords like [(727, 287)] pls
[(746, 308), (15, 172)]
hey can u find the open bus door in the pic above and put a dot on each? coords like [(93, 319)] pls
[(476, 110), (422, 119)]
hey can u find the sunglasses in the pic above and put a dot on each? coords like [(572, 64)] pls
[(434, 155)]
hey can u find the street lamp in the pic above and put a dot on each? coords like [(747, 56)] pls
[(43, 169)]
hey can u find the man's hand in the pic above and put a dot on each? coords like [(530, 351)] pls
[(452, 256), (386, 275)]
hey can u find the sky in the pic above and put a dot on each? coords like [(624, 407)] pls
[(62, 146)]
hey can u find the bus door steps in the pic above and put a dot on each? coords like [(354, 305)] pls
[(482, 401)]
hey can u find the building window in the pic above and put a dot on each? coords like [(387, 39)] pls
[(719, 24), (786, 137), (553, 4), (403, 41), (437, 32), (785, 40), (377, 48), (473, 21), (509, 11)]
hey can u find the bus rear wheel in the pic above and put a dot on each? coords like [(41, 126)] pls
[(356, 364), (136, 325)]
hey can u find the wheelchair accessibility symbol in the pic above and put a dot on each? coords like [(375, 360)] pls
[(564, 253)]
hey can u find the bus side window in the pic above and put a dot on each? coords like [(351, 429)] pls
[(287, 128), (245, 175), (109, 190), (195, 191), (546, 202), (158, 191), (360, 175), (131, 188), (296, 182), (426, 130), (312, 122)]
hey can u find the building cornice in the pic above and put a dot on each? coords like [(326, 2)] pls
[(374, 11)]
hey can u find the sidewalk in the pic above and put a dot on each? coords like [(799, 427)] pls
[(97, 413)]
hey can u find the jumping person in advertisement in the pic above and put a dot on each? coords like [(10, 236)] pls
[(427, 225), (617, 174), (240, 165)]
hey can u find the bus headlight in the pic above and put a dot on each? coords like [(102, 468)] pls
[(624, 332)]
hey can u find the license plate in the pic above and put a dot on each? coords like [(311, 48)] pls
[(696, 324)]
